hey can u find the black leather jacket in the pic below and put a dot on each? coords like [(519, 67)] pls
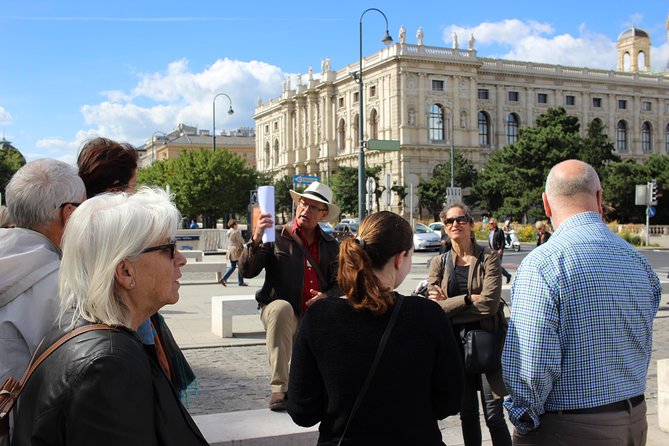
[(104, 388), (283, 262)]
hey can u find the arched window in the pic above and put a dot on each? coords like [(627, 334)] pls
[(267, 163), (666, 139), (627, 62), (341, 136), (646, 145), (276, 152), (621, 136), (512, 124), (641, 61), (373, 124), (436, 120), (484, 129)]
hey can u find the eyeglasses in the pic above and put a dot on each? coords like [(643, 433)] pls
[(311, 207), (69, 202), (462, 219), (172, 246)]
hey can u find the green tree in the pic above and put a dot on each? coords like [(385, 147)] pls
[(211, 184), (11, 160), (432, 191), (283, 202), (344, 184), (513, 178), (597, 150), (619, 184)]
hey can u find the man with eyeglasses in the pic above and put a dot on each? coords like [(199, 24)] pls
[(300, 268), (41, 196)]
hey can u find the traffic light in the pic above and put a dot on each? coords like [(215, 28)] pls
[(653, 192)]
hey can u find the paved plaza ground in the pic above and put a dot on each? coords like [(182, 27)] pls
[(233, 374)]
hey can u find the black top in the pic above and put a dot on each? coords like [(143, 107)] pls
[(418, 380)]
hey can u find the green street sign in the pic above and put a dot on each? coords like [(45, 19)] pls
[(388, 145)]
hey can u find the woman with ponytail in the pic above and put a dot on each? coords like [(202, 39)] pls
[(418, 376)]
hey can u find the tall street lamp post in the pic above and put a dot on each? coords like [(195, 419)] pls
[(361, 128), (213, 123), (153, 144)]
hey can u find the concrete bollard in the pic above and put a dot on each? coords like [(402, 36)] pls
[(663, 394)]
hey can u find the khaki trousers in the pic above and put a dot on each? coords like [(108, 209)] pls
[(624, 428), (281, 324)]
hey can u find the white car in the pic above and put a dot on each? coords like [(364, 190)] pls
[(424, 238), (436, 227)]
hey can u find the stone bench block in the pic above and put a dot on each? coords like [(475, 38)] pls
[(663, 394), (224, 307)]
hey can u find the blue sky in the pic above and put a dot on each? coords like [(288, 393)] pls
[(72, 70)]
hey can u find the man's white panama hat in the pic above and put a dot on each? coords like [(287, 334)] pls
[(321, 193)]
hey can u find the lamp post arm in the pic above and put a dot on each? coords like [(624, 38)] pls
[(213, 114)]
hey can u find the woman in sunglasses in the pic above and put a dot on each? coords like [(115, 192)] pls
[(105, 387), (467, 283), (106, 165)]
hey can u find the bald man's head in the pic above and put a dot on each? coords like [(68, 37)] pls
[(570, 179), (572, 187)]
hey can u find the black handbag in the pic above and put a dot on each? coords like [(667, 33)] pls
[(482, 353)]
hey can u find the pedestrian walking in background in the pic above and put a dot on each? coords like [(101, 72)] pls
[(235, 248), (542, 232), (300, 269), (580, 335), (418, 377), (497, 241), (466, 282)]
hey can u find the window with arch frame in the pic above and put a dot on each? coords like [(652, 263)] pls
[(484, 129), (666, 139), (436, 119), (512, 124), (341, 136), (646, 140), (621, 136)]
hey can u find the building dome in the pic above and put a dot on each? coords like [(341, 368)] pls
[(633, 32)]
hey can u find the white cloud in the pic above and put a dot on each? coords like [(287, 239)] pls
[(5, 117), (534, 41), (160, 101)]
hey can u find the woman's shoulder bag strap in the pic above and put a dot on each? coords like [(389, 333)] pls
[(372, 369)]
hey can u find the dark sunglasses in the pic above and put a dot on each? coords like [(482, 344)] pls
[(461, 220), (69, 202), (172, 246)]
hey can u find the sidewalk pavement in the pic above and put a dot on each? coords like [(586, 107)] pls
[(233, 374)]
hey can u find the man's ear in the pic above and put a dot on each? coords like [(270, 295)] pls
[(547, 206), (125, 274)]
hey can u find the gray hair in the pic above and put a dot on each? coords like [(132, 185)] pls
[(38, 189), (585, 181), (102, 232)]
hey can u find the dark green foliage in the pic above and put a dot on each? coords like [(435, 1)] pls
[(212, 184), (11, 160)]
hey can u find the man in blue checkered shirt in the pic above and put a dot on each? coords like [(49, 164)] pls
[(580, 335)]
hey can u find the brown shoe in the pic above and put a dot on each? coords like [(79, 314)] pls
[(278, 401), (222, 282)]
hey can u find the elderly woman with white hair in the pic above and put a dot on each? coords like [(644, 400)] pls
[(120, 265)]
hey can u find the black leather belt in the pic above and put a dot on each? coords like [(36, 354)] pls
[(618, 406)]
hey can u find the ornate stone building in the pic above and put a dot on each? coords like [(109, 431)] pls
[(430, 98), (163, 146)]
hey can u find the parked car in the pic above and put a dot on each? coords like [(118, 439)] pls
[(345, 230), (436, 227), (353, 220), (424, 238), (326, 227)]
